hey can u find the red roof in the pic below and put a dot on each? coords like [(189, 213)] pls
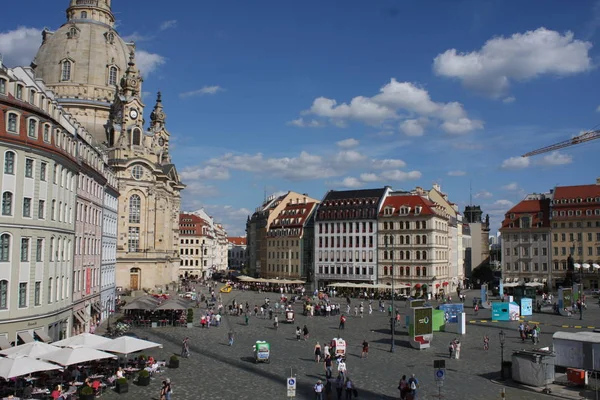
[(238, 241), (576, 192), (411, 201), (538, 210)]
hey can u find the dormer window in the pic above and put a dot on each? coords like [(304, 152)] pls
[(83, 14), (65, 72), (32, 96), (418, 210), (512, 216), (73, 32), (19, 93), (2, 86)]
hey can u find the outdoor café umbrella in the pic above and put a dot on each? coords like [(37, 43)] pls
[(33, 349), (146, 303), (172, 304), (75, 355), (83, 339), (127, 345), (23, 365)]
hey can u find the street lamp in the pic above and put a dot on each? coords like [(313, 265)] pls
[(393, 315), (580, 266), (502, 339)]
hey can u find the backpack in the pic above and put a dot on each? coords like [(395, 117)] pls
[(413, 385)]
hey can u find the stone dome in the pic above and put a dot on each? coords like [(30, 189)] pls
[(83, 62)]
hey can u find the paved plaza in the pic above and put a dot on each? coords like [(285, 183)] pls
[(217, 371)]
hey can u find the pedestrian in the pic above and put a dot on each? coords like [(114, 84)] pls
[(317, 352), (342, 322), (341, 366), (457, 350), (230, 335), (298, 333), (522, 332), (486, 343), (403, 387), (276, 323), (413, 385), (370, 309), (361, 310), (450, 349), (365, 349), (319, 390), (355, 311), (534, 335), (339, 386), (185, 348), (246, 319), (305, 331), (327, 363), (349, 389), (326, 350), (166, 390)]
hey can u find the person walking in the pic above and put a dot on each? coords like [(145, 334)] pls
[(319, 390), (298, 333), (413, 385), (317, 352), (230, 336), (365, 349), (522, 332), (349, 389), (457, 349), (305, 331), (276, 323), (403, 387), (342, 322), (342, 368), (450, 349), (534, 335), (486, 343), (327, 363), (185, 348), (339, 386)]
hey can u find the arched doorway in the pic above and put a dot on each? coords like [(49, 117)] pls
[(134, 278)]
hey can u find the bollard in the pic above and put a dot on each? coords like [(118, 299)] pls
[(503, 393)]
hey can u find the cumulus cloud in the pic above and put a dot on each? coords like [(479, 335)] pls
[(515, 163), (18, 47), (206, 90), (503, 203), (347, 143), (137, 37), (388, 164), (401, 176), (394, 102), (520, 57), (513, 186), (456, 173), (350, 182), (232, 218), (484, 194), (369, 177), (148, 62), (172, 23), (509, 99), (303, 123), (366, 179), (207, 173)]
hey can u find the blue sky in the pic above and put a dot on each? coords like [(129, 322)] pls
[(316, 95)]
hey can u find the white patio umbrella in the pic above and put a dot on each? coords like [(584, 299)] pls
[(22, 365), (75, 355), (83, 339), (33, 349), (127, 345)]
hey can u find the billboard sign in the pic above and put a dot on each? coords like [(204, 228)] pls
[(567, 298), (451, 312), (423, 321), (417, 303)]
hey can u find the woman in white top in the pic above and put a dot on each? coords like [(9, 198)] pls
[(119, 373)]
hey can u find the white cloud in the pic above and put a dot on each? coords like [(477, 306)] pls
[(302, 123), (521, 57), (369, 177), (555, 158), (350, 182), (172, 23), (233, 219), (207, 172), (456, 173), (388, 164), (598, 109), (349, 157), (484, 194), (210, 90), (18, 47), (503, 203), (197, 189), (515, 163), (347, 143), (401, 176), (393, 99), (148, 62), (513, 186), (137, 37), (509, 99)]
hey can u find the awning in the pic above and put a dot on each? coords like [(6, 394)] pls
[(437, 285), (26, 337), (79, 316), (417, 286), (596, 266), (536, 279), (4, 343), (445, 283), (43, 336), (586, 266), (97, 307)]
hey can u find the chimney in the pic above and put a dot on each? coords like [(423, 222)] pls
[(597, 181)]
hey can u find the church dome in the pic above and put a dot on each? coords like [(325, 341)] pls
[(83, 62)]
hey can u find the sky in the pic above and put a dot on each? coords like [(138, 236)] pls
[(268, 96)]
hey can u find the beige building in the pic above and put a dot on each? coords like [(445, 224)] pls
[(287, 239), (413, 243), (93, 72)]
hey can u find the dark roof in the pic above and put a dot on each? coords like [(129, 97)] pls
[(354, 194)]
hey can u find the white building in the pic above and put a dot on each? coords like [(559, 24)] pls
[(109, 247), (237, 252)]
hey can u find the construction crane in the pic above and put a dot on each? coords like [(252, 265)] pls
[(584, 137)]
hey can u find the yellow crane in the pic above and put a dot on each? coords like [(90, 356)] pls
[(579, 139)]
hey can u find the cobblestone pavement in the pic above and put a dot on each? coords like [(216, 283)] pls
[(217, 371)]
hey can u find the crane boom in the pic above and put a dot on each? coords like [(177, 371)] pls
[(584, 137)]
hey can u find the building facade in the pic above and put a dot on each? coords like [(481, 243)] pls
[(38, 141), (286, 239), (236, 253), (346, 236), (576, 233), (108, 269), (413, 246), (527, 241)]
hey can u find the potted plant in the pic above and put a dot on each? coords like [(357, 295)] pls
[(190, 318), (122, 386), (174, 362), (86, 393), (143, 378)]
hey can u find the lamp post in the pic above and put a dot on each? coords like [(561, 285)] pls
[(502, 339), (581, 287), (393, 322)]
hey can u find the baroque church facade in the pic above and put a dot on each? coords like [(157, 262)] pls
[(93, 74)]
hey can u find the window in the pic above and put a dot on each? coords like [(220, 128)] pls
[(134, 209), (27, 207), (53, 211), (32, 96), (3, 295), (49, 290), (133, 241), (83, 14), (66, 69), (41, 209), (2, 86), (22, 295), (112, 75), (46, 133), (25, 249), (4, 247), (7, 198), (9, 163), (37, 294), (28, 168), (39, 250), (19, 93), (136, 137), (43, 167), (32, 128)]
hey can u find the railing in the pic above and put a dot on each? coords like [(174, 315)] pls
[(87, 3)]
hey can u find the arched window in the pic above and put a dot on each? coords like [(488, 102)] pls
[(418, 271), (3, 295), (136, 138), (83, 14), (385, 270), (418, 255), (135, 204), (391, 254), (4, 247), (385, 255), (66, 71), (401, 271), (401, 255), (9, 163), (49, 290), (12, 122), (401, 239), (424, 255), (32, 128), (424, 271), (407, 255), (391, 240), (7, 200), (112, 75), (407, 239), (424, 239)]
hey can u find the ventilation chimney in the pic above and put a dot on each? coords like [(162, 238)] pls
[(597, 181)]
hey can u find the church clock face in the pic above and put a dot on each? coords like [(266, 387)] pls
[(133, 113)]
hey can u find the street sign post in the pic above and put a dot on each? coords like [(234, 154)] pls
[(291, 387), (439, 375)]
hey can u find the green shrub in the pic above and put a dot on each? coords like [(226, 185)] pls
[(86, 390), (144, 374), (174, 358), (190, 315), (122, 381)]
